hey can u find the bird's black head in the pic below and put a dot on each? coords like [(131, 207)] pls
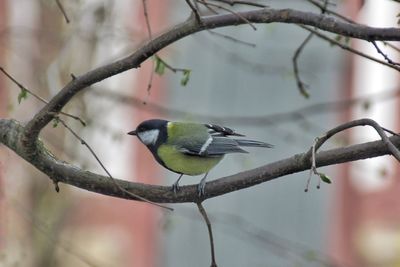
[(151, 132)]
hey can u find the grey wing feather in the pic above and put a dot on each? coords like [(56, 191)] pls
[(217, 147), (190, 147), (252, 143), (223, 145)]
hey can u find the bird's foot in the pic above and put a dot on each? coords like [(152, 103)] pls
[(175, 187), (201, 187)]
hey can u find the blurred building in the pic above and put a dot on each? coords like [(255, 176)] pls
[(366, 217)]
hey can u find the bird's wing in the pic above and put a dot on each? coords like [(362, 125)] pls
[(206, 140), (217, 130), (252, 143), (223, 145), (214, 146)]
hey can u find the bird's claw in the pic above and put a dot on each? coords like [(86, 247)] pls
[(175, 187), (201, 188)]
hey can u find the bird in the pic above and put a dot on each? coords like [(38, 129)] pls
[(189, 148)]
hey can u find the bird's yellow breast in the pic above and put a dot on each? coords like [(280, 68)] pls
[(186, 164)]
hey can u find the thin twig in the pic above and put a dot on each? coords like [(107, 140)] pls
[(60, 6), (83, 142), (395, 48), (338, 15), (313, 169), (230, 11), (313, 165), (194, 10), (300, 85), (150, 83), (319, 141), (230, 38), (384, 55), (148, 26), (324, 9), (146, 18), (41, 99), (348, 48), (390, 131), (247, 231), (247, 3), (210, 234), (42, 118), (211, 9), (257, 121), (362, 122)]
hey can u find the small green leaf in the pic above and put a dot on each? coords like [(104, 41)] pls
[(325, 178), (22, 95), (56, 121), (185, 77), (160, 66)]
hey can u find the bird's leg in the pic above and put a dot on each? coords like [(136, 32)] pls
[(202, 185), (175, 186)]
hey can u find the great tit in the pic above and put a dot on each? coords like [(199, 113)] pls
[(190, 148)]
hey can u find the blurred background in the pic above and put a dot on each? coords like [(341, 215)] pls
[(248, 84)]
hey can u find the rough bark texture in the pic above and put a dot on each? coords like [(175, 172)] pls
[(60, 171)]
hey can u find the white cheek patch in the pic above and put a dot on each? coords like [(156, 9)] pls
[(149, 137)]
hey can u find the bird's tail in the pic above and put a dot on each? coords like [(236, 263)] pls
[(252, 143)]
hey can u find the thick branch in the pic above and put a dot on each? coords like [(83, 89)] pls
[(11, 132), (189, 27)]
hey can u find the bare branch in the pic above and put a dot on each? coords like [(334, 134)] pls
[(328, 11), (246, 3), (302, 86), (83, 142), (146, 17), (194, 10), (41, 99), (230, 11), (230, 38), (210, 234), (362, 122), (11, 136), (60, 6), (44, 116), (348, 48), (384, 55)]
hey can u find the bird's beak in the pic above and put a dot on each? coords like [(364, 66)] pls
[(132, 132)]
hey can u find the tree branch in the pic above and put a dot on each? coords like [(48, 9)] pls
[(323, 22), (11, 134)]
